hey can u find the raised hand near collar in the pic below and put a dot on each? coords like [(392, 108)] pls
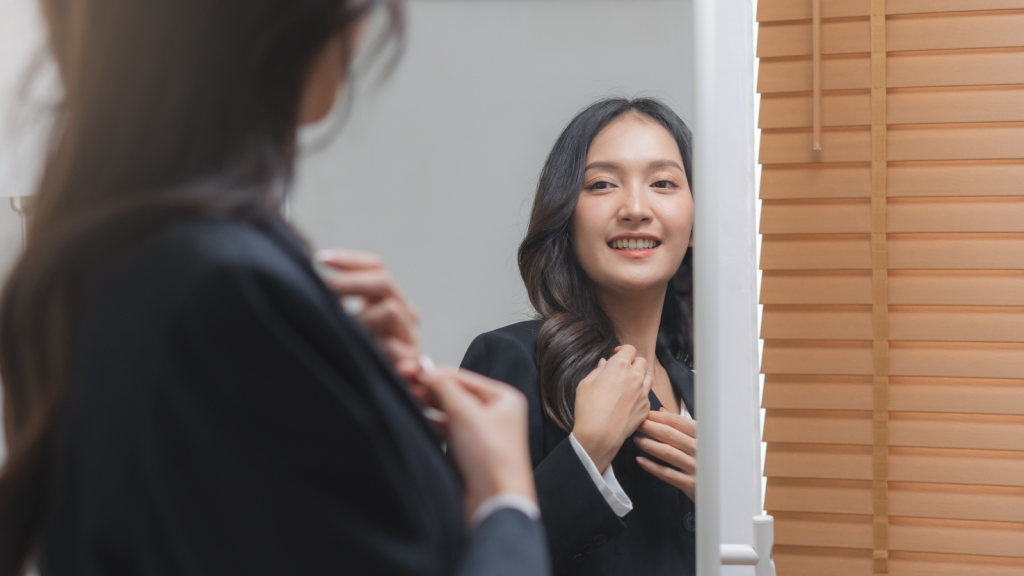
[(673, 440)]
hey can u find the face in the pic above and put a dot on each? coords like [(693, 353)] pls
[(634, 216)]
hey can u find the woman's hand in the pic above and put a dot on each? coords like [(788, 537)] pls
[(673, 440), (611, 402), (385, 313), (487, 433)]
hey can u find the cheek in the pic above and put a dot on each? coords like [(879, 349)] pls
[(677, 217), (589, 224)]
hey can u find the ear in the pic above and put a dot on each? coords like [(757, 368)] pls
[(323, 81)]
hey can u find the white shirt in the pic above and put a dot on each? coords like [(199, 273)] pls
[(606, 483)]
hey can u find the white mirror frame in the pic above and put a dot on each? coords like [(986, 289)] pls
[(730, 527)]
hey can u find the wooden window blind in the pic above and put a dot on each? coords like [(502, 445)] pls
[(893, 285)]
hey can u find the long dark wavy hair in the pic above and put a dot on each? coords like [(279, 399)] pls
[(576, 332), (158, 95)]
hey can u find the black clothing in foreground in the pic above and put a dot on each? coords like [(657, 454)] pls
[(224, 416), (586, 536)]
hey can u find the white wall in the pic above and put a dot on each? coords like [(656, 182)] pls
[(436, 170)]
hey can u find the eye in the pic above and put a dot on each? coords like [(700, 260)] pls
[(601, 185), (664, 184)]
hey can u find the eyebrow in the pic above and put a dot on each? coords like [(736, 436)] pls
[(653, 165)]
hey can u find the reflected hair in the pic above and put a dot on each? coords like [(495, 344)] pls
[(576, 332), (171, 109)]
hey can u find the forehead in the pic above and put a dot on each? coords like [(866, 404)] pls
[(633, 138)]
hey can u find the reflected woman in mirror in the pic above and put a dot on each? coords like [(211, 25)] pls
[(606, 367)]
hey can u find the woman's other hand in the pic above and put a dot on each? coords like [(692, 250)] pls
[(385, 312), (487, 433), (611, 402), (673, 439)]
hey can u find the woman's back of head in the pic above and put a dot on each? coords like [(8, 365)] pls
[(158, 96)]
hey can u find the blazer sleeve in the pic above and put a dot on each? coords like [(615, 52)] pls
[(278, 460), (576, 515), (506, 543)]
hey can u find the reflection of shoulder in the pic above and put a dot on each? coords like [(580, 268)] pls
[(523, 333), (506, 354)]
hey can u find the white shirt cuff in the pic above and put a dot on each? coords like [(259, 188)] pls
[(503, 501), (606, 484)]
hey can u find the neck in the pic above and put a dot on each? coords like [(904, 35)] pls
[(636, 317)]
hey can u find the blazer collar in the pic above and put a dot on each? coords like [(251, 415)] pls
[(286, 237), (679, 375)]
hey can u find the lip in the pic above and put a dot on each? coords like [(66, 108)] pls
[(634, 254)]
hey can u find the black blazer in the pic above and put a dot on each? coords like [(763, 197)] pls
[(224, 416), (585, 535)]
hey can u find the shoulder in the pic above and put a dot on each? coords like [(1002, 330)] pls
[(183, 260), (515, 340), (506, 354)]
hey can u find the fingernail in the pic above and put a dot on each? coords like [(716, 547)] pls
[(324, 255), (426, 364), (640, 459), (662, 409), (435, 415), (601, 362)]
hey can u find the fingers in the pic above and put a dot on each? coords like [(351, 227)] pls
[(648, 383), (450, 396), (374, 285), (669, 435), (685, 482), (390, 317), (342, 259), (666, 453), (640, 365), (595, 372), (625, 352), (685, 425), (482, 387)]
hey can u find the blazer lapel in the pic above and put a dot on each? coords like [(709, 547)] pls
[(679, 375)]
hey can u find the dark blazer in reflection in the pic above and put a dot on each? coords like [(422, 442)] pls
[(224, 416), (585, 535)]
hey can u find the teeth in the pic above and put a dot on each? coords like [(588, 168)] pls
[(634, 244)]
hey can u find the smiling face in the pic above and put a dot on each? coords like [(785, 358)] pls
[(634, 215)]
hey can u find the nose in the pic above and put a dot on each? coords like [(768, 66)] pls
[(635, 208)]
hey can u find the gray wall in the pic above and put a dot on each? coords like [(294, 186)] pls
[(435, 170)]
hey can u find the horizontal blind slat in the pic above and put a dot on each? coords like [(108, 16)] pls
[(819, 561), (936, 215), (939, 359), (904, 70), (933, 32), (905, 180), (905, 534), (906, 394), (930, 143), (911, 106), (908, 429), (906, 499), (934, 465), (906, 252), (906, 323), (782, 10)]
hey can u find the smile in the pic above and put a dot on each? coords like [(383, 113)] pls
[(634, 244)]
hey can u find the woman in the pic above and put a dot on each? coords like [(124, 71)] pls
[(606, 264), (182, 393)]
